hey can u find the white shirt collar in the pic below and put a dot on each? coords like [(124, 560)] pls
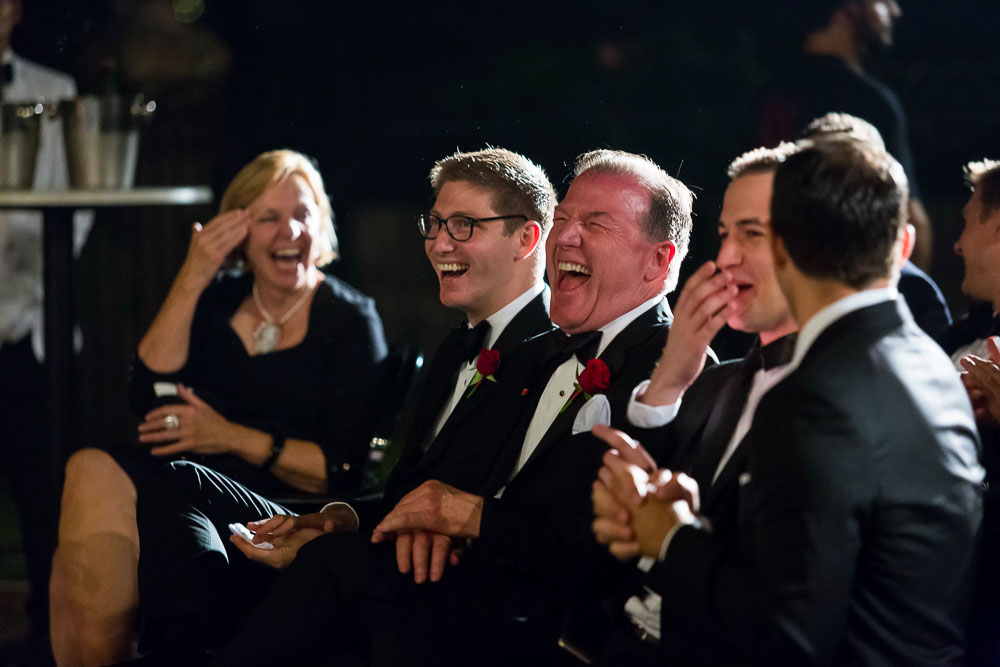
[(500, 319), (616, 326), (820, 321)]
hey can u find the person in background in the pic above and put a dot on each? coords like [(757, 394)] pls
[(837, 36), (23, 458), (267, 374), (973, 345)]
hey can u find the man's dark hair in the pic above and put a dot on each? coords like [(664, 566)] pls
[(984, 178), (838, 206)]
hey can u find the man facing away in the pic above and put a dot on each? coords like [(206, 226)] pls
[(617, 241), (859, 497)]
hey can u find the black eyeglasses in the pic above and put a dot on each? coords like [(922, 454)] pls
[(459, 227)]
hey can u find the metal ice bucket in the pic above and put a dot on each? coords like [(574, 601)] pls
[(20, 124), (102, 139)]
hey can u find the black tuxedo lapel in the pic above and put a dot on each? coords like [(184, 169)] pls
[(437, 390), (615, 356), (530, 321), (721, 423)]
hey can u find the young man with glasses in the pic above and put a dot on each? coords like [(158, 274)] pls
[(615, 249), (484, 237)]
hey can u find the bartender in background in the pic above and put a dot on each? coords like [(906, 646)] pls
[(22, 391)]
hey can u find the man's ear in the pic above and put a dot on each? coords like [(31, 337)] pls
[(660, 263), (779, 252), (908, 239), (527, 239)]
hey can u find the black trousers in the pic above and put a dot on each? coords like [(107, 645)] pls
[(25, 462), (195, 587), (343, 598)]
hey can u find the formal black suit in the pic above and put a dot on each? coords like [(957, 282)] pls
[(923, 296), (859, 508), (693, 442), (469, 443), (191, 577), (505, 599)]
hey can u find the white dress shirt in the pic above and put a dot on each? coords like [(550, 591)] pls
[(21, 231), (561, 384)]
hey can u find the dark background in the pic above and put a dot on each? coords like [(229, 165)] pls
[(377, 92)]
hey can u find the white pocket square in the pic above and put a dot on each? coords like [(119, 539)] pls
[(744, 479), (595, 411)]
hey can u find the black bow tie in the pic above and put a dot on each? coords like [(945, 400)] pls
[(776, 353), (583, 345), (470, 341)]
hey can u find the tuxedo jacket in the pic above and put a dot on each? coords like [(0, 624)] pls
[(536, 539), (859, 504), (706, 419), (924, 298), (467, 448)]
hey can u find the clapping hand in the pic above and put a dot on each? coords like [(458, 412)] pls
[(982, 381), (636, 505)]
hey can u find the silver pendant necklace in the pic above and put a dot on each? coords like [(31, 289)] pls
[(268, 333)]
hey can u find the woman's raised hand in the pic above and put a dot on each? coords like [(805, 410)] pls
[(210, 244)]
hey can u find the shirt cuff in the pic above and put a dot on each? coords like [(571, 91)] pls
[(340, 505), (650, 416), (699, 523)]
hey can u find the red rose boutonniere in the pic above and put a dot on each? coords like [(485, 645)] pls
[(594, 379), (486, 366)]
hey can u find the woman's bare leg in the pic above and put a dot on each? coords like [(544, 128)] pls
[(94, 590)]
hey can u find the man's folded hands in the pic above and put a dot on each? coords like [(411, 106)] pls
[(636, 505)]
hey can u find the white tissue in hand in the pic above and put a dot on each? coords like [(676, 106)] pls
[(244, 532), (595, 411)]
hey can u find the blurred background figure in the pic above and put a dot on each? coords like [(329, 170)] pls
[(837, 36), (23, 458)]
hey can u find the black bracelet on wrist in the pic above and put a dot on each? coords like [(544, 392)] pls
[(277, 444)]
